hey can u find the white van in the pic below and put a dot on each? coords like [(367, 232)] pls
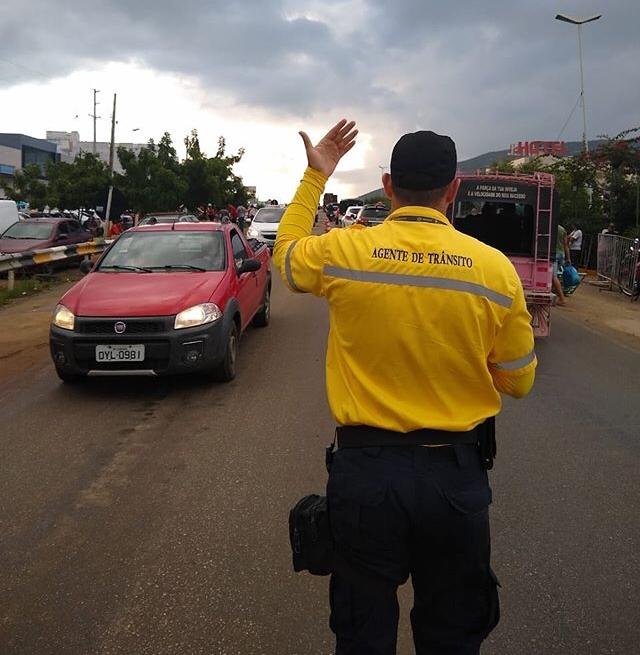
[(8, 214)]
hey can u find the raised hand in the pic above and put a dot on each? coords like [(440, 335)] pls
[(333, 146)]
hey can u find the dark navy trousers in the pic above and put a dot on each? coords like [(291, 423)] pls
[(412, 511)]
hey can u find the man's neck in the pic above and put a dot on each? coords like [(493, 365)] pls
[(440, 207)]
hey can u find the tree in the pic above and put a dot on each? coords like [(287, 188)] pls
[(211, 179), (29, 186), (618, 164), (152, 179), (77, 184)]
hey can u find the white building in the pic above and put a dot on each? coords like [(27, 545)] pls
[(70, 146)]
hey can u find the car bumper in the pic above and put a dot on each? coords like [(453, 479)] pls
[(167, 351)]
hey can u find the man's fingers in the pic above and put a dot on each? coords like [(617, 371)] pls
[(349, 137), (307, 141), (333, 132), (345, 150), (346, 128)]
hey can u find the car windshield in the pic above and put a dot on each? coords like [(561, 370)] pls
[(269, 215), (375, 213), (28, 230), (166, 251)]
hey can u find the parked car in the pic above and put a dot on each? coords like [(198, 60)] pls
[(8, 214), (264, 226), (35, 234), (154, 219), (163, 299), (372, 215)]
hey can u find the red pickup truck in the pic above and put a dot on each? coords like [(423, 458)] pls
[(163, 299)]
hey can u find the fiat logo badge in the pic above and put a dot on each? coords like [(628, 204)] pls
[(120, 327)]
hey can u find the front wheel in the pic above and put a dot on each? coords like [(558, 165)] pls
[(225, 371), (262, 318)]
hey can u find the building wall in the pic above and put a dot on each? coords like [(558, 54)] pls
[(11, 157)]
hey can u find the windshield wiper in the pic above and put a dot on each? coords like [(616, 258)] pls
[(117, 267), (170, 267)]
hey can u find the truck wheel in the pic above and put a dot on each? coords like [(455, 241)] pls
[(68, 378), (225, 371), (262, 318)]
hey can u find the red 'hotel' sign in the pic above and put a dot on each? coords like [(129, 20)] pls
[(537, 148)]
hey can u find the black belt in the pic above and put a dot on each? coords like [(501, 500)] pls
[(363, 436)]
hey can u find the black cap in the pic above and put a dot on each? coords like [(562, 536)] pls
[(423, 160)]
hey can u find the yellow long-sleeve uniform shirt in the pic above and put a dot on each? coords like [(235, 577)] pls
[(427, 325)]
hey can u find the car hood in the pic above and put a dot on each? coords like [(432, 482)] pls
[(140, 294), (268, 227), (8, 246)]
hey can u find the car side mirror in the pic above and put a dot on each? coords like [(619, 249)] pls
[(85, 266), (249, 266)]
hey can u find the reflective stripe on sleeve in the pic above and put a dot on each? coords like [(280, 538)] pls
[(287, 268), (515, 364), (401, 279)]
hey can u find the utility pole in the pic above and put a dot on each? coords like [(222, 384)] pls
[(111, 149), (95, 117)]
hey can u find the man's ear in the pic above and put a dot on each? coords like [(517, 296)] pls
[(452, 191), (387, 185)]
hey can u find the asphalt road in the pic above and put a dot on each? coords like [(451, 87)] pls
[(150, 516)]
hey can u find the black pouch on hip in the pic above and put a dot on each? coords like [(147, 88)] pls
[(310, 535)]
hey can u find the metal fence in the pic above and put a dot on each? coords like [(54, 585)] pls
[(33, 258), (617, 261)]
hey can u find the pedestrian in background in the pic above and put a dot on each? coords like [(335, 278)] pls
[(241, 214), (575, 245), (428, 327), (561, 254)]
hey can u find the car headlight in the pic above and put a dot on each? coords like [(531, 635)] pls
[(253, 233), (208, 312), (63, 318)]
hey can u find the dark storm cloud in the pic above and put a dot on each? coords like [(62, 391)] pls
[(488, 73)]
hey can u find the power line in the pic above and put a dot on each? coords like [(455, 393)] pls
[(564, 127)]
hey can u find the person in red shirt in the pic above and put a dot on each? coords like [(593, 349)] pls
[(115, 230)]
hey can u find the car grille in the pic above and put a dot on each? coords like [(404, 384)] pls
[(133, 326), (269, 235)]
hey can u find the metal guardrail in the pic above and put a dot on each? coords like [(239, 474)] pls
[(617, 261), (30, 258)]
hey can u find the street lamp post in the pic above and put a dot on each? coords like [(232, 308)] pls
[(580, 22)]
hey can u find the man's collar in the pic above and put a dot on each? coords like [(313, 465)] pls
[(415, 213)]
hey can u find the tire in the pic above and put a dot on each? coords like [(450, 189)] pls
[(225, 371), (68, 378), (262, 318)]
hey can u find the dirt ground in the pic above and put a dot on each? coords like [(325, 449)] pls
[(603, 310), (24, 327), (24, 322)]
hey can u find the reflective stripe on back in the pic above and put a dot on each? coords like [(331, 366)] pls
[(402, 279)]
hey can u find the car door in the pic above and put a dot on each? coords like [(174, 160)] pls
[(247, 282), (62, 235), (76, 233)]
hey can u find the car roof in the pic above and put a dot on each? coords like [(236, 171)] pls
[(52, 219), (180, 227)]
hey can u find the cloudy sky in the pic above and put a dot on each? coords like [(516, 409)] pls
[(487, 73)]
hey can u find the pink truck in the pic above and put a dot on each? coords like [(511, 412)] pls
[(517, 214)]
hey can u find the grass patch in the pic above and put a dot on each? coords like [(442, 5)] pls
[(21, 288)]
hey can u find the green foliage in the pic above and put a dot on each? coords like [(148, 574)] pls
[(28, 185), (76, 184), (153, 180)]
